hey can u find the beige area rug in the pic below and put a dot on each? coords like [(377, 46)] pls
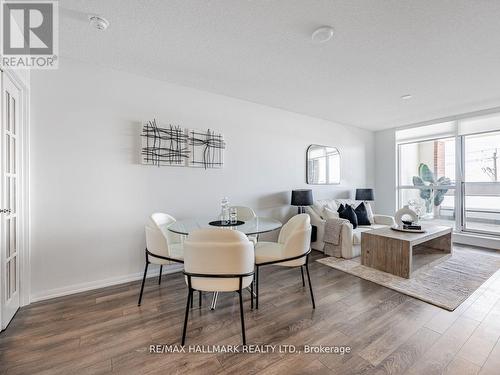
[(445, 285)]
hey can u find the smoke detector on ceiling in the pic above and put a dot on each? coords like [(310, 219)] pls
[(322, 34), (100, 23)]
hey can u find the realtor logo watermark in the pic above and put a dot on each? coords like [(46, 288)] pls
[(30, 35)]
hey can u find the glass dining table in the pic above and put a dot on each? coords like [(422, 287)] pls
[(255, 226)]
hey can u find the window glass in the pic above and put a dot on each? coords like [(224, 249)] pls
[(428, 160)]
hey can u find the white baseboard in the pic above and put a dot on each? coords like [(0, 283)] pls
[(477, 240), (84, 287)]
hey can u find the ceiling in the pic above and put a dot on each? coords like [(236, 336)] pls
[(445, 53)]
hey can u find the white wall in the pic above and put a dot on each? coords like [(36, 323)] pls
[(90, 198), (385, 177)]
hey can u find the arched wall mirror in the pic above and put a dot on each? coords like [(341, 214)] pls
[(322, 165)]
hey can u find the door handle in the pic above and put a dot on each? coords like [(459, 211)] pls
[(5, 210)]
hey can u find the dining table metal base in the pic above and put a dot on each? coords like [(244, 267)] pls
[(214, 301), (213, 305)]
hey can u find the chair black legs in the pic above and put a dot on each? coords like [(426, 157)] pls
[(251, 294), (159, 277), (199, 298), (242, 318), (303, 282), (189, 302), (257, 288), (143, 281), (310, 285)]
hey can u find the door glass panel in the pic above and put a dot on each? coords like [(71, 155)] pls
[(7, 111), (13, 156), (437, 157), (433, 204), (7, 153), (12, 114), (7, 280), (7, 238), (427, 179), (13, 236), (412, 198), (7, 193), (482, 207), (482, 182), (13, 202), (443, 207), (13, 272)]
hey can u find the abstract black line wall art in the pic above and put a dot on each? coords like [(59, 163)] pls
[(164, 146), (206, 148), (176, 146)]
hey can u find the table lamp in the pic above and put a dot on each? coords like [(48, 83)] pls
[(364, 195), (302, 198)]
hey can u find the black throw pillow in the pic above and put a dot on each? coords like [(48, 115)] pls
[(350, 215), (341, 208), (362, 214)]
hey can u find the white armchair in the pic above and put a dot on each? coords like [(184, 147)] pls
[(218, 260), (291, 250), (349, 245), (246, 214), (162, 246)]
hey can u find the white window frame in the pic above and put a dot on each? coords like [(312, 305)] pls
[(463, 228), (412, 187), (458, 186)]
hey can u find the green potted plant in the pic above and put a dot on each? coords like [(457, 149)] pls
[(431, 190)]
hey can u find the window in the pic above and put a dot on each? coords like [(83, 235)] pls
[(454, 178), (482, 182), (427, 178)]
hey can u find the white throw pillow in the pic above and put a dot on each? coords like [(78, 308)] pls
[(318, 208), (330, 214), (319, 205), (369, 213), (331, 205)]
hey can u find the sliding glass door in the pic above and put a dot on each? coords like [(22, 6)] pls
[(449, 173), (481, 183), (427, 179)]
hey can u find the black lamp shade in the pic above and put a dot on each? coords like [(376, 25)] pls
[(302, 197), (365, 195)]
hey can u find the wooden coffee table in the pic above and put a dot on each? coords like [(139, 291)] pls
[(402, 253)]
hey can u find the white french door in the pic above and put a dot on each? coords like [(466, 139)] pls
[(9, 201)]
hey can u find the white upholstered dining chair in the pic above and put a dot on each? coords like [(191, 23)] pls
[(291, 250), (218, 260), (245, 214), (162, 246)]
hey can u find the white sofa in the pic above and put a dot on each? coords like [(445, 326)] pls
[(350, 239)]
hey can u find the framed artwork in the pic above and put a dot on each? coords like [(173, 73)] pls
[(164, 146), (206, 149), (175, 146)]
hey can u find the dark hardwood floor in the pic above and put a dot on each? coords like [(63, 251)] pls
[(103, 331)]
